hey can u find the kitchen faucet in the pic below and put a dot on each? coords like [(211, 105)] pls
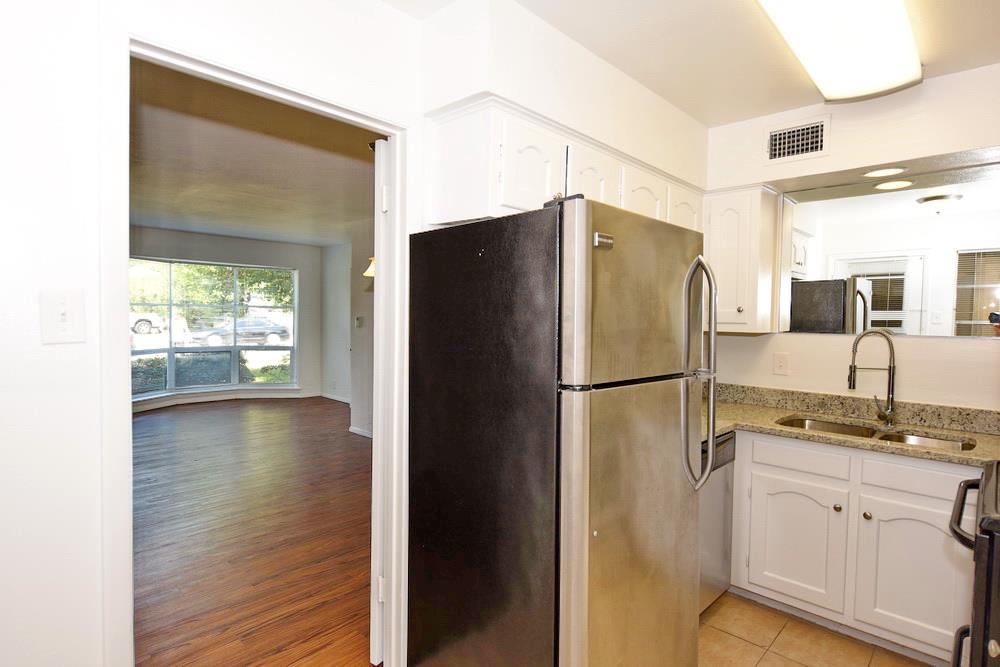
[(884, 414)]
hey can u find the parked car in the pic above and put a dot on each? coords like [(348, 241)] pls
[(145, 323), (249, 330)]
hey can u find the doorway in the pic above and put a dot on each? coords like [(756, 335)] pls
[(238, 303)]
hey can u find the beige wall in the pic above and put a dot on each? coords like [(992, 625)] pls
[(337, 322), (362, 338), (308, 260)]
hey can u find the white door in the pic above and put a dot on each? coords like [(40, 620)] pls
[(913, 578), (595, 175), (728, 245), (532, 166), (798, 538), (644, 193), (685, 207)]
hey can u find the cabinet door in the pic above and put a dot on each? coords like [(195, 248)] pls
[(593, 174), (798, 538), (644, 193), (685, 207), (729, 244), (913, 578), (532, 166)]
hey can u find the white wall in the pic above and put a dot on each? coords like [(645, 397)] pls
[(337, 322), (472, 46), (950, 113), (948, 371), (362, 337), (308, 260), (51, 396)]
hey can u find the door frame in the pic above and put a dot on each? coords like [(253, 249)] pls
[(389, 382)]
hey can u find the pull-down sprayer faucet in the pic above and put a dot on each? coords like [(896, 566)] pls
[(884, 414)]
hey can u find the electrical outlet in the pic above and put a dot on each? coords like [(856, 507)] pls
[(780, 363), (62, 316)]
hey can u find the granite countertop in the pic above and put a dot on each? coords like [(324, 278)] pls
[(762, 419)]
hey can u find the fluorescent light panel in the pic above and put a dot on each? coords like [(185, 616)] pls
[(850, 48)]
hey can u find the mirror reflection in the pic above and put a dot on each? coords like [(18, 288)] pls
[(918, 255)]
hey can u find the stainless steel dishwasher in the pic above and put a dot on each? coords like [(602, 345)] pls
[(715, 522)]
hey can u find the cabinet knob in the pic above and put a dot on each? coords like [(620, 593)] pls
[(837, 507), (867, 516), (739, 309)]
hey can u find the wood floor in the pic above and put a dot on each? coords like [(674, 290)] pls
[(252, 534)]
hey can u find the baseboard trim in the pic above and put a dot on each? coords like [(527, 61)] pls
[(339, 399), (357, 431)]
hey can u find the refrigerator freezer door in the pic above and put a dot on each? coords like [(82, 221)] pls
[(622, 293), (482, 443), (640, 546)]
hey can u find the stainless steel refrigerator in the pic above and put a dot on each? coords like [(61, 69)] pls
[(555, 408)]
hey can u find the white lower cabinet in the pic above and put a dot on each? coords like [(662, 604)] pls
[(860, 538), (798, 541), (912, 577)]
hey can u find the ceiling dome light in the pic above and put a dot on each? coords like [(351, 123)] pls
[(882, 173), (851, 49), (893, 185)]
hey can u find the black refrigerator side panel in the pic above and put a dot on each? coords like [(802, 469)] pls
[(818, 306), (483, 442)]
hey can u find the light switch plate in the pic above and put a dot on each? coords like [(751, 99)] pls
[(62, 316), (780, 363)]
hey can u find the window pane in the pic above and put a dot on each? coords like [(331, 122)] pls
[(202, 326), (265, 367), (203, 284), (149, 373), (148, 282), (201, 368), (265, 326), (266, 287), (148, 327)]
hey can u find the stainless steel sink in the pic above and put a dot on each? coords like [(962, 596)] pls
[(860, 431), (925, 441), (828, 426)]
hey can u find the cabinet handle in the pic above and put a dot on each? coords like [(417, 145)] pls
[(867, 516), (739, 309), (837, 507)]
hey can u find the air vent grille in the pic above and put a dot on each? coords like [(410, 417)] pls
[(792, 141)]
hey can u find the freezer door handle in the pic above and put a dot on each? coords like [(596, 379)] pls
[(699, 264)]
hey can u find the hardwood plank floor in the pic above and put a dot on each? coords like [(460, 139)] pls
[(252, 524)]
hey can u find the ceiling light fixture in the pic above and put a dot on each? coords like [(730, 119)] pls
[(893, 185), (882, 173), (851, 49)]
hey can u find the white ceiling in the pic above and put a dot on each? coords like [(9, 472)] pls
[(723, 61), (211, 159)]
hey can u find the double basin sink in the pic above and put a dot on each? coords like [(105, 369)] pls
[(860, 431)]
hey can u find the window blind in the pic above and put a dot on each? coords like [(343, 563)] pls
[(977, 292)]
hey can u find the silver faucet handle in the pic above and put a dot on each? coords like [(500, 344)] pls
[(880, 407)]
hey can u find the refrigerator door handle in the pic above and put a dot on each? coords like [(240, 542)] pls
[(699, 263)]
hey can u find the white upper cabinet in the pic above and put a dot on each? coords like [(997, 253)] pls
[(532, 166), (740, 228), (490, 159), (595, 175), (800, 254), (685, 207), (644, 193)]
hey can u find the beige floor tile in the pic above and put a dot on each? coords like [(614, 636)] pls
[(815, 646), (718, 649), (772, 659), (883, 658), (745, 619)]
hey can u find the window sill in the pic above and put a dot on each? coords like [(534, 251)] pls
[(204, 394)]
